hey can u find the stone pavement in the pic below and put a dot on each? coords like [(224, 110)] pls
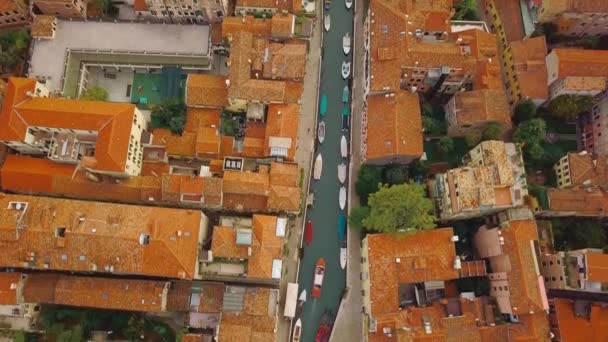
[(348, 326), (305, 149)]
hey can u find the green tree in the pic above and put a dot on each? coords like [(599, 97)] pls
[(74, 334), (394, 174), (446, 145), (13, 45), (368, 181), (402, 208), (472, 139), (357, 216), (170, 114), (433, 126), (493, 131), (20, 336), (95, 93), (524, 110), (576, 233), (465, 10), (531, 133), (570, 106), (135, 328)]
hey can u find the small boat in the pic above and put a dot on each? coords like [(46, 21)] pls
[(343, 257), (321, 132), (327, 4), (297, 331), (345, 94), (323, 109), (345, 69), (308, 235), (342, 198), (323, 333), (302, 297), (342, 227), (346, 43), (317, 282), (318, 167), (343, 147), (345, 111), (342, 173), (327, 22), (348, 3)]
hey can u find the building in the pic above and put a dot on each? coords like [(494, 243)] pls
[(190, 11), (491, 180), (266, 7), (14, 312), (587, 202), (574, 320), (44, 27), (512, 250), (583, 270), (469, 112), (576, 71), (103, 238), (13, 13), (206, 91), (102, 137), (392, 129), (525, 69), (247, 247), (61, 8), (581, 169), (575, 18), (592, 127)]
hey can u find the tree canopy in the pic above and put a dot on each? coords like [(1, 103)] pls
[(368, 182), (12, 47), (493, 131), (357, 216), (394, 174), (465, 10), (446, 145), (531, 134), (524, 110), (170, 114), (576, 233), (402, 208), (95, 93), (570, 106)]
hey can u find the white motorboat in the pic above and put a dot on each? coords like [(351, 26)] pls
[(297, 330), (343, 147), (345, 69), (346, 43), (327, 22), (302, 297), (318, 167), (342, 198), (321, 132), (342, 173), (343, 257), (348, 3)]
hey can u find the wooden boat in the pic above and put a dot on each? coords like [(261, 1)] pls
[(345, 94), (342, 173), (342, 198), (342, 227), (321, 132), (308, 233), (317, 282), (346, 43), (327, 22), (348, 3), (318, 167), (343, 147), (297, 331), (345, 69), (323, 109), (343, 257)]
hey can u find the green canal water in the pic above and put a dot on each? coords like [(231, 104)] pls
[(326, 210)]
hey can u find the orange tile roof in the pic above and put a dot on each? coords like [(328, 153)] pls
[(581, 329), (257, 26), (424, 256), (510, 15), (11, 5), (204, 90), (140, 5), (282, 122), (254, 323), (586, 168), (286, 61), (43, 26), (9, 284), (585, 202), (192, 338), (101, 293), (597, 267), (40, 173), (579, 6), (531, 67), (478, 106), (283, 24), (580, 63), (100, 235), (394, 126), (112, 121), (212, 297), (279, 5)]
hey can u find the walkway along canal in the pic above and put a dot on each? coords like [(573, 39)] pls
[(326, 210)]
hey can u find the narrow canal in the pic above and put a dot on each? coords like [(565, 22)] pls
[(326, 210)]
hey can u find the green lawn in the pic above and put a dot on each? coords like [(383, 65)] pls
[(434, 155)]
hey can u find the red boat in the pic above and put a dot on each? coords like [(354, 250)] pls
[(317, 282), (308, 233), (322, 333)]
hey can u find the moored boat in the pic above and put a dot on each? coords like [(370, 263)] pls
[(308, 235), (323, 333), (348, 3), (342, 198), (346, 43), (318, 276), (318, 167), (297, 331), (323, 106), (342, 227), (345, 94), (327, 4), (343, 257), (342, 173), (302, 297), (321, 132), (343, 147), (345, 111), (345, 69), (327, 22)]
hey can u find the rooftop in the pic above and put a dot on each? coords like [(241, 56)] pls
[(575, 327), (531, 67), (283, 25), (282, 128), (586, 169), (597, 267), (580, 63), (259, 27), (580, 6), (475, 188), (206, 91), (9, 287), (583, 202), (43, 26), (278, 5), (257, 320), (394, 126), (510, 15), (482, 106), (79, 236)]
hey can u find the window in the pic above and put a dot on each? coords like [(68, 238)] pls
[(68, 5), (60, 232)]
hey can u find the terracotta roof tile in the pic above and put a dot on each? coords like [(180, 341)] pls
[(9, 5), (206, 91), (581, 63), (531, 67), (282, 122), (479, 106), (100, 235), (10, 284), (279, 5), (597, 267), (511, 17), (211, 298), (257, 26), (192, 338), (254, 323), (140, 5), (573, 327), (591, 202), (585, 169), (283, 25), (43, 26)]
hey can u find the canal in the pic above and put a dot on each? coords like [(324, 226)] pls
[(326, 210)]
